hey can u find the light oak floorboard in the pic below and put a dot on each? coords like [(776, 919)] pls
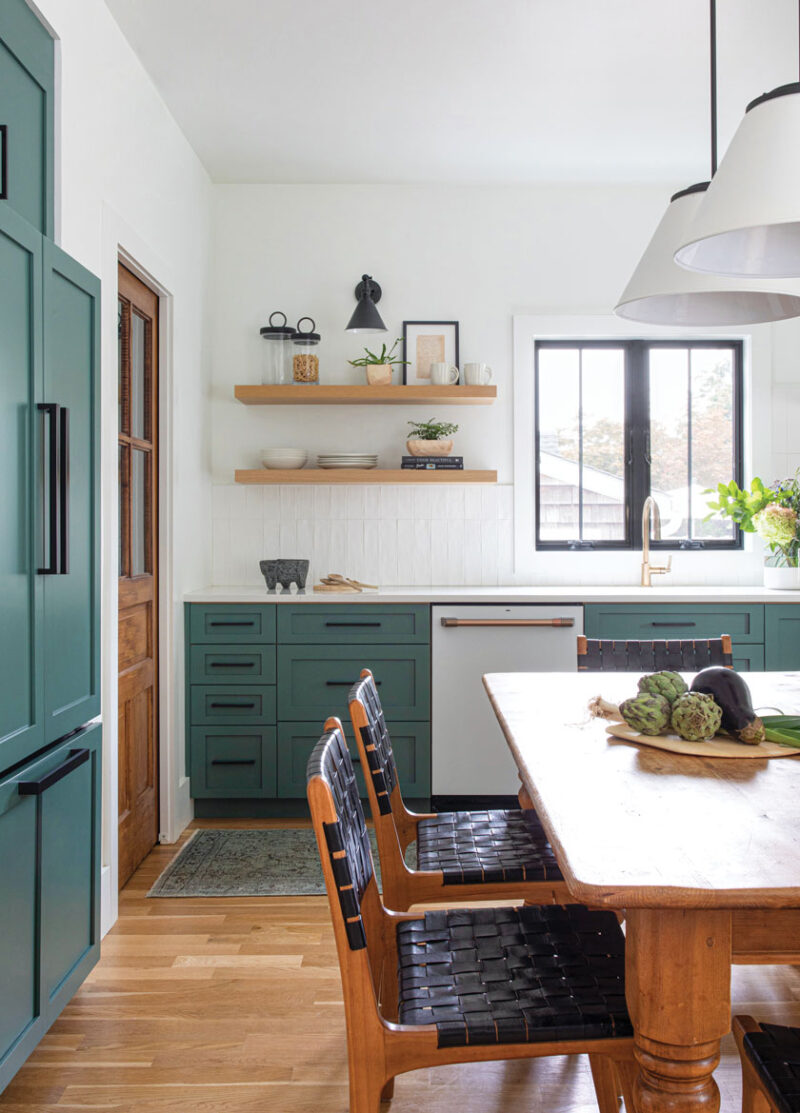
[(234, 1006)]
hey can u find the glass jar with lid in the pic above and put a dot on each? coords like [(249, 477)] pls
[(305, 357), (276, 362)]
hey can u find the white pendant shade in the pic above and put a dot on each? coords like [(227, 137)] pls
[(748, 225), (662, 293)]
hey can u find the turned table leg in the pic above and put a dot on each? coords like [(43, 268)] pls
[(678, 990)]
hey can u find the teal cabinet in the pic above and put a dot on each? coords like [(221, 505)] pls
[(314, 681), (26, 117), (231, 762), (675, 620), (214, 704), (232, 664), (782, 636), (211, 623), (71, 644), (362, 624), (49, 878), (21, 640)]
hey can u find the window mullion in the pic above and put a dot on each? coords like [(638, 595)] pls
[(638, 433)]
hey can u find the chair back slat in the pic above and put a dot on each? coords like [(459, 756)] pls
[(382, 769), (346, 838), (681, 655)]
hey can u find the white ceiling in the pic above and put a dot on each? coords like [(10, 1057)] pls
[(456, 90)]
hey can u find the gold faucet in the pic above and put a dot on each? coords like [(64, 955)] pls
[(650, 510)]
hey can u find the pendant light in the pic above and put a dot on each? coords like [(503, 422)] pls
[(366, 317), (662, 293), (749, 223)]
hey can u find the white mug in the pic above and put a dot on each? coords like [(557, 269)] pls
[(477, 374), (444, 374)]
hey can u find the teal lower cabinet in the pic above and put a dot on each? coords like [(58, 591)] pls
[(411, 743), (49, 881), (782, 636), (233, 762), (215, 704)]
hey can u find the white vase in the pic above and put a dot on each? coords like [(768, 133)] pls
[(782, 579)]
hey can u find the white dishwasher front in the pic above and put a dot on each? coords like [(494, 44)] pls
[(469, 755)]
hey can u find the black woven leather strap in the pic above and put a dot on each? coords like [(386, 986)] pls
[(474, 847), (377, 742), (681, 655), (775, 1053)]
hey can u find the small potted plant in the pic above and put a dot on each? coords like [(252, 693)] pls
[(378, 365), (774, 514), (430, 438)]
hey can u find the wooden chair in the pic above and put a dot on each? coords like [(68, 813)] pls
[(460, 986), (600, 655), (770, 1055), (462, 856)]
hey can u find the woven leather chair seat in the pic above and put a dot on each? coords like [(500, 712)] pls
[(470, 847), (529, 974), (775, 1054)]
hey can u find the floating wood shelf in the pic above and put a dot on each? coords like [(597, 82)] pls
[(343, 395), (362, 475)]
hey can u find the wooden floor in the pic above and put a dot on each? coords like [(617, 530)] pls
[(234, 1006)]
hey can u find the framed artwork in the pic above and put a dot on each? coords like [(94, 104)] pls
[(427, 342)]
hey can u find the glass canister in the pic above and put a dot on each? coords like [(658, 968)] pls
[(305, 358), (276, 360)]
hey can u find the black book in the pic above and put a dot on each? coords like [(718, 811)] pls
[(440, 461), (433, 465)]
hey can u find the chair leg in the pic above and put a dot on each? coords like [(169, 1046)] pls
[(754, 1100), (625, 1070), (605, 1083), (387, 1093), (367, 1090)]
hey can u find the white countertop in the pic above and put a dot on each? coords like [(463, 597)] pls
[(567, 593)]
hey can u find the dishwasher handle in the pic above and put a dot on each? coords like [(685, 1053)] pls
[(451, 622)]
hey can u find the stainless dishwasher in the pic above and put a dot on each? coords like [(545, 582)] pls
[(469, 755)]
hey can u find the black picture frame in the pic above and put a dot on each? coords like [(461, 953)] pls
[(453, 325)]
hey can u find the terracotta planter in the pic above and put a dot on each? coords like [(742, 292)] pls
[(379, 374), (429, 448)]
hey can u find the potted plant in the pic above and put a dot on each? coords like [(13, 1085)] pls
[(774, 514), (378, 365), (429, 438)]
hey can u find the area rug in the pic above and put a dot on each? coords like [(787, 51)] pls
[(235, 863)]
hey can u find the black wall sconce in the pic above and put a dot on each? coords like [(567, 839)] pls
[(366, 317)]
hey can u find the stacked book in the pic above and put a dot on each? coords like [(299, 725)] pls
[(433, 463)]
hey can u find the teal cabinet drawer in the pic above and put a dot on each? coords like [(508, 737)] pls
[(411, 743), (232, 664), (233, 762), (228, 705), (782, 637), (748, 658), (363, 624), (314, 681), (674, 621), (228, 622)]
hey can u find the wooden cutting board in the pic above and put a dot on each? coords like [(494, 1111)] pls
[(715, 747)]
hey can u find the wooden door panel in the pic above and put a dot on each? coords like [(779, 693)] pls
[(138, 583)]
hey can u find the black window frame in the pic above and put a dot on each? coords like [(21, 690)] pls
[(637, 441)]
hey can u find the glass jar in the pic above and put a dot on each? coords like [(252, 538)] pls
[(276, 361), (305, 357)]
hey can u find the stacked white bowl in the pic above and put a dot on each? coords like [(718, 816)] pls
[(285, 458)]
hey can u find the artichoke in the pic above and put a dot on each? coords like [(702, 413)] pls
[(696, 716), (647, 713), (668, 684)]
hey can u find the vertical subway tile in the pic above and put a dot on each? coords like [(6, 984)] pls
[(220, 553), (489, 552), (220, 502), (387, 555), (421, 553), (473, 502), (405, 502), (455, 574), (455, 501), (372, 501), (304, 502), (272, 502), (472, 550), (322, 502), (405, 550), (505, 501), (354, 549), (288, 503), (254, 502), (371, 561), (388, 503), (338, 502), (422, 502), (489, 501), (438, 544), (354, 501), (287, 539)]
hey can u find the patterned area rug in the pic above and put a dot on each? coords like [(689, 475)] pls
[(265, 863)]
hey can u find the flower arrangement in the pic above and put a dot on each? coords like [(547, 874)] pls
[(772, 512)]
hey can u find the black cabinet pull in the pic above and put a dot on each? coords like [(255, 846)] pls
[(675, 625), (232, 664), (3, 162), (51, 469), (232, 705), (63, 491), (347, 683), (234, 761), (250, 623), (353, 624), (73, 759), (356, 760)]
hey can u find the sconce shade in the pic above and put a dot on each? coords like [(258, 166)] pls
[(662, 293), (366, 317), (749, 222)]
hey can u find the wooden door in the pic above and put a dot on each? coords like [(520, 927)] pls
[(138, 572)]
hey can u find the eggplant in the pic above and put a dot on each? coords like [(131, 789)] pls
[(733, 696)]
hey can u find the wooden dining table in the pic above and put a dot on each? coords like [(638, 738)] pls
[(701, 854)]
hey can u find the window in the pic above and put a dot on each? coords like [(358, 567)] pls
[(618, 420)]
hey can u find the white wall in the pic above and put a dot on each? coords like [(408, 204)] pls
[(479, 255), (129, 181)]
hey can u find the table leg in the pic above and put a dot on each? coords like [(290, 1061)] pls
[(678, 991)]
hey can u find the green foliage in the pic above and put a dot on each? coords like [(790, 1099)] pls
[(745, 508), (431, 430), (385, 356), (738, 503)]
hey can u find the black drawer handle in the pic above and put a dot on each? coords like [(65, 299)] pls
[(347, 683), (356, 760), (250, 623), (232, 664), (220, 705), (73, 759), (676, 625), (235, 761), (353, 623)]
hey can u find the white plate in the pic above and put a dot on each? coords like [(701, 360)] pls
[(348, 467)]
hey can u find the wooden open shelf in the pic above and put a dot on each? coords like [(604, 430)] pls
[(343, 395), (362, 475)]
